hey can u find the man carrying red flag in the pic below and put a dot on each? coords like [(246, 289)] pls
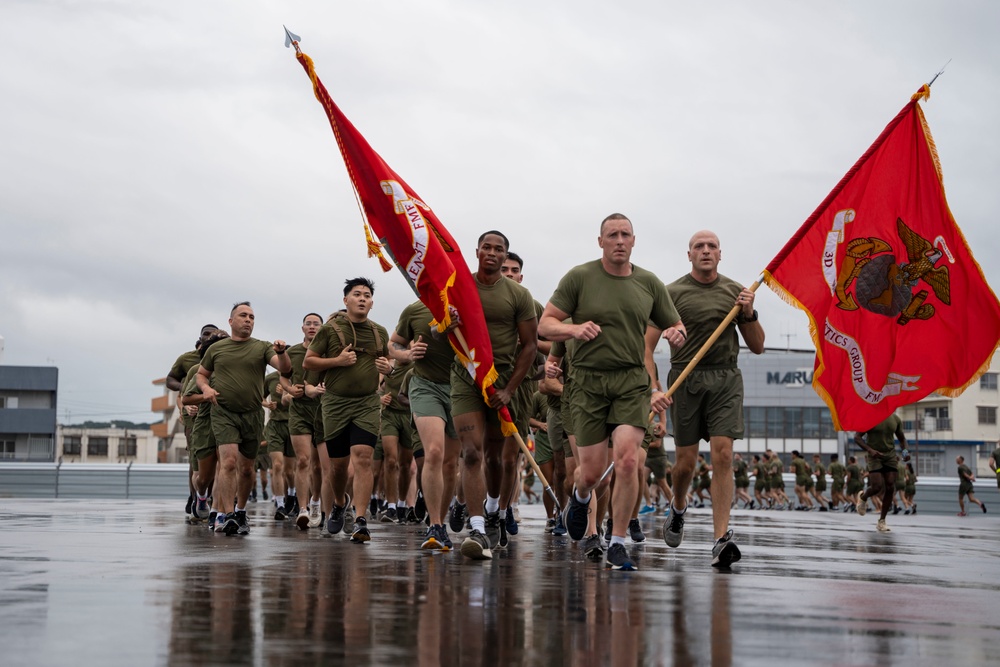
[(510, 319), (898, 307)]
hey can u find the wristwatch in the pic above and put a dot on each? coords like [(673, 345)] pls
[(747, 320)]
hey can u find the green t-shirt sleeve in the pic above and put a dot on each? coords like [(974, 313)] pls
[(664, 314)]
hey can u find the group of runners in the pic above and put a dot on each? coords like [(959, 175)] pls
[(354, 404)]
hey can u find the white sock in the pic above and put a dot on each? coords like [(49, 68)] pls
[(478, 523), (580, 498), (492, 504), (392, 506), (503, 514), (313, 503), (617, 540), (241, 509), (280, 501)]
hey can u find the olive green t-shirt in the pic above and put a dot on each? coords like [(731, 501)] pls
[(505, 305), (435, 366), (799, 466), (621, 305), (297, 353), (539, 406), (837, 470), (190, 387), (996, 458), (853, 473), (183, 364), (361, 379), (702, 308), (237, 369), (394, 383), (882, 438), (739, 468), (562, 350), (819, 470), (964, 472), (271, 382)]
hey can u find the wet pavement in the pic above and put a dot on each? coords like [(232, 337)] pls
[(128, 583)]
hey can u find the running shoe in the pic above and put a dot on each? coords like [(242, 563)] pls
[(647, 509), (302, 520), (360, 534), (444, 536), (635, 532), (265, 495), (493, 528), (229, 525), (560, 528), (504, 537), (550, 524), (242, 523), (335, 523), (617, 559), (477, 546), (725, 552), (279, 514), (511, 522), (575, 516), (389, 516), (315, 516), (435, 541), (593, 548), (961, 514), (862, 507), (457, 515), (983, 506), (200, 509), (373, 506), (188, 514), (515, 512), (673, 528), (211, 519), (881, 527)]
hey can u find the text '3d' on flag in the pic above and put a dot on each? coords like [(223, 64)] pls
[(898, 308), (398, 221)]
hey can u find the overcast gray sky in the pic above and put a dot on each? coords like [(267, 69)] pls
[(161, 161)]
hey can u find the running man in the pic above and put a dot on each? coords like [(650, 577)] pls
[(510, 319), (611, 301), (965, 480), (231, 378), (883, 464), (352, 352), (709, 405)]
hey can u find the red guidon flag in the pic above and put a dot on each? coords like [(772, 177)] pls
[(418, 243), (898, 308)]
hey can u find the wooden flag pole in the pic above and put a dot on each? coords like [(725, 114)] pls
[(517, 436)]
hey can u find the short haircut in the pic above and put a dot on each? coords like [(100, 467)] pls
[(614, 216), (517, 258), (237, 305), (208, 327), (210, 341), (506, 242), (318, 317), (834, 457), (358, 282)]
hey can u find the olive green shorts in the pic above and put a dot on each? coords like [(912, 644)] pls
[(466, 396), (543, 447), (882, 461), (760, 484), (776, 482), (244, 429), (603, 400), (339, 412), (557, 433), (565, 412), (432, 399), (398, 424), (379, 453), (837, 486), (263, 460), (202, 438), (305, 418), (742, 482), (853, 487), (656, 460), (709, 402), (278, 438), (524, 397), (820, 484)]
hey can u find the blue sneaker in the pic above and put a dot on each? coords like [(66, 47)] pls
[(647, 509), (511, 523), (575, 517), (560, 528)]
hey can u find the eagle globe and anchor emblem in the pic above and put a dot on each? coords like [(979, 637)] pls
[(887, 287)]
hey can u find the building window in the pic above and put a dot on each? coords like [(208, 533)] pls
[(987, 415), (72, 445), (97, 446), (127, 446), (6, 449), (988, 381), (9, 402), (755, 422)]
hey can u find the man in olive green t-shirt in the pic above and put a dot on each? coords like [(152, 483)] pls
[(995, 463), (231, 378), (610, 302), (352, 352), (430, 405), (709, 405), (512, 324), (879, 443)]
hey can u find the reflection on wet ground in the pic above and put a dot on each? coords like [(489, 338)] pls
[(102, 582)]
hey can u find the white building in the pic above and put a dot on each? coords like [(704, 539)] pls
[(105, 445)]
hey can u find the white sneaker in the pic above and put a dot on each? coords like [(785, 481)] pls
[(303, 519), (517, 513), (881, 527), (315, 516)]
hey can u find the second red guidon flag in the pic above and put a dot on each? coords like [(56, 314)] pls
[(898, 308)]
